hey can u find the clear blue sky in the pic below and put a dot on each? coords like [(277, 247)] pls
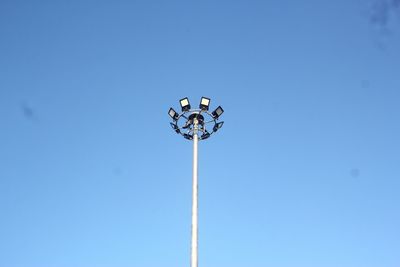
[(304, 173)]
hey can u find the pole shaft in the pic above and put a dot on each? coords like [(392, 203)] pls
[(194, 249)]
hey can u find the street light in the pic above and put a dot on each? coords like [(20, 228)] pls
[(192, 125)]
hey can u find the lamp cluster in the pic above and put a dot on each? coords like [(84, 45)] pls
[(194, 121)]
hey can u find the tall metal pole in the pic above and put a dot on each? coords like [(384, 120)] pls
[(191, 124), (194, 259)]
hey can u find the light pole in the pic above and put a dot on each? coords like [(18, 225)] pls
[(192, 125)]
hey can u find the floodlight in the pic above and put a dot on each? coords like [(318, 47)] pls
[(217, 112), (218, 126), (185, 104), (172, 113), (205, 135), (188, 136), (204, 103), (175, 127)]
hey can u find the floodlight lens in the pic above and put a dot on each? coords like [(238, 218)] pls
[(184, 102), (205, 101), (219, 111)]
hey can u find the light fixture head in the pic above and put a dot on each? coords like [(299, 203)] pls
[(175, 127), (191, 123), (185, 104), (204, 103), (217, 112), (188, 136), (173, 114), (205, 135), (218, 126)]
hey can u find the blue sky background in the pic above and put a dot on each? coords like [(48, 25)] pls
[(304, 173)]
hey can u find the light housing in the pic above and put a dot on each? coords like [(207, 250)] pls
[(188, 136), (205, 135), (218, 126), (217, 112), (175, 127), (173, 114), (204, 103), (185, 104)]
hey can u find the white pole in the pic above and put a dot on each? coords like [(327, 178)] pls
[(194, 259)]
